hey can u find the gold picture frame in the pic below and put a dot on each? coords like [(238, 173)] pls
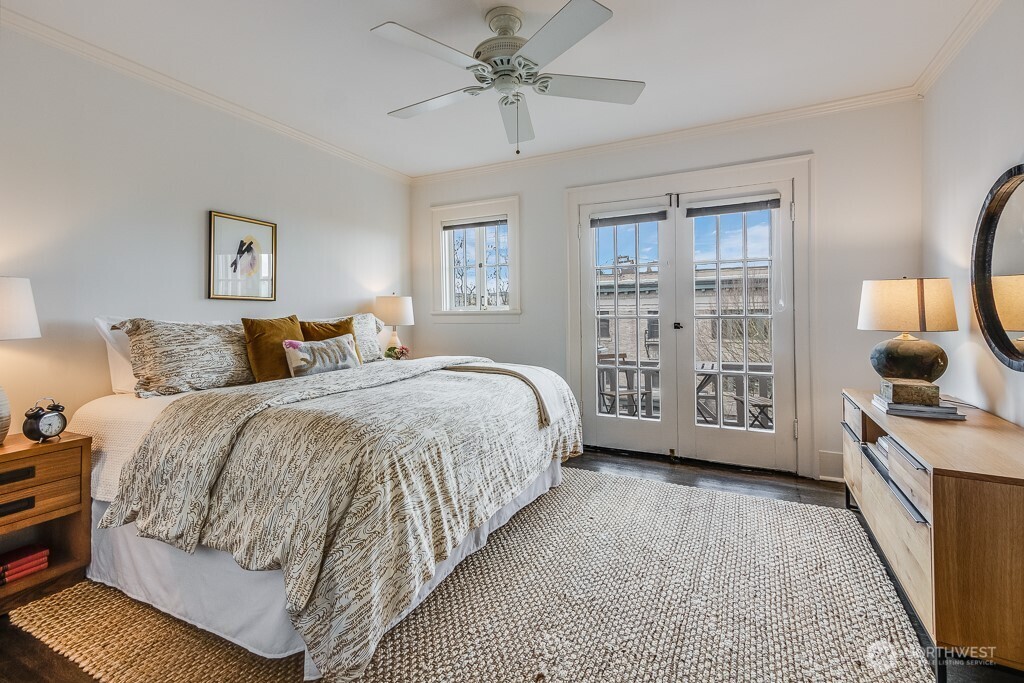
[(241, 265)]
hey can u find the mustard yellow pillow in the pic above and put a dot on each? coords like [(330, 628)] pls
[(321, 331), (264, 342)]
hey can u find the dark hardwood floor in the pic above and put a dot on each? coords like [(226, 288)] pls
[(23, 659)]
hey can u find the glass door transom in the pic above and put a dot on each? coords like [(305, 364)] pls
[(627, 319), (732, 316)]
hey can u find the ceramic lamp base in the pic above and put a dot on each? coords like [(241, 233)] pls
[(908, 357), (5, 416), (394, 341)]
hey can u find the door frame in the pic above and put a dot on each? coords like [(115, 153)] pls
[(797, 168)]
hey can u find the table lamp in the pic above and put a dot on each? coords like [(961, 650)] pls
[(908, 305), (394, 310), (1008, 293), (17, 321)]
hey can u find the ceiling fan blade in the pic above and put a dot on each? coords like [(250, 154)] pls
[(433, 103), (401, 35), (587, 88), (572, 23), (517, 129)]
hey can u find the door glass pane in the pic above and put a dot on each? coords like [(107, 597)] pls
[(733, 320), (759, 287), (650, 394), (606, 391), (604, 238), (731, 240), (648, 243), (627, 352), (760, 403), (605, 279), (707, 399), (732, 344), (629, 397), (628, 323), (705, 344), (705, 289), (625, 244), (731, 288), (705, 238), (625, 291), (733, 402), (759, 234), (759, 344)]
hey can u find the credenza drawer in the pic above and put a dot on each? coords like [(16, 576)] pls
[(905, 540), (38, 500), (852, 459), (25, 473), (852, 417), (912, 477)]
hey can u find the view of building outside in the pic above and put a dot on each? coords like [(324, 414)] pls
[(732, 320)]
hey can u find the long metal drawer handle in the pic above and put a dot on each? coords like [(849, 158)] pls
[(849, 430), (17, 506), (914, 462), (914, 513), (17, 475)]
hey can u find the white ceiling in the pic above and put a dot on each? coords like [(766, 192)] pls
[(314, 66)]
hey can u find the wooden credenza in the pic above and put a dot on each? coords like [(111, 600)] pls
[(946, 506)]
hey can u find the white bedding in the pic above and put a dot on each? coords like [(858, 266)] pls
[(116, 424)]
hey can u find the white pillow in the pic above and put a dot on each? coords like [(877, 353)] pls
[(119, 358)]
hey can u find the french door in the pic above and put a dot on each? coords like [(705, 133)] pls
[(687, 325)]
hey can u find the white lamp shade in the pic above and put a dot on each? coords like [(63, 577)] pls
[(1008, 292), (907, 305), (17, 309), (394, 310)]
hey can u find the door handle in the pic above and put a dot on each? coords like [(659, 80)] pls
[(677, 326)]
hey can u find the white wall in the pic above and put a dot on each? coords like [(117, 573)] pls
[(866, 224), (973, 131), (105, 184)]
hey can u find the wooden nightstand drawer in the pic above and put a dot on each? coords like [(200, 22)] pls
[(25, 473), (852, 460), (39, 500)]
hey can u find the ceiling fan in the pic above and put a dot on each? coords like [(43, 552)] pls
[(508, 64)]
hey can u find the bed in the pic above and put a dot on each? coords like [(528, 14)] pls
[(354, 492)]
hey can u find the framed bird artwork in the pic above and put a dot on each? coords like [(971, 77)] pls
[(243, 258)]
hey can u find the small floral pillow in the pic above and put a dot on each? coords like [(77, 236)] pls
[(313, 357)]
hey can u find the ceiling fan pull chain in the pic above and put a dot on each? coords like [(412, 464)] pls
[(517, 126)]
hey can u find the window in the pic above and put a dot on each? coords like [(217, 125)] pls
[(475, 258)]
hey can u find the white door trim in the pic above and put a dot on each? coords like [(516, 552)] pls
[(800, 170)]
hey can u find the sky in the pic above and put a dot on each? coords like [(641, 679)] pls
[(706, 238)]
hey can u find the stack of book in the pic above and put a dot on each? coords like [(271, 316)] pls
[(21, 562), (914, 398)]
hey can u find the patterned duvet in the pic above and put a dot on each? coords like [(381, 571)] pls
[(354, 483)]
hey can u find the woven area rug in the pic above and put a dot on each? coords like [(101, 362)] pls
[(603, 579)]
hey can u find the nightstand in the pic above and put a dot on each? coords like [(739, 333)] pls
[(45, 498)]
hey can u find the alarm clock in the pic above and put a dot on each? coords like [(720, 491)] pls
[(42, 424)]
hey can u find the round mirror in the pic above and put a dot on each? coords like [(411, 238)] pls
[(997, 269)]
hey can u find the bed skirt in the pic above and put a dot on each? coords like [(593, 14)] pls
[(209, 590)]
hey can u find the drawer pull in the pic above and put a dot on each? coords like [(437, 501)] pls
[(849, 430), (914, 462), (907, 505), (17, 506), (17, 475)]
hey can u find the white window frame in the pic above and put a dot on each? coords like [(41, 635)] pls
[(468, 212)]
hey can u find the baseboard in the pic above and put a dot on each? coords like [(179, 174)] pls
[(830, 466), (838, 480)]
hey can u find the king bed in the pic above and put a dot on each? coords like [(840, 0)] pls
[(353, 493)]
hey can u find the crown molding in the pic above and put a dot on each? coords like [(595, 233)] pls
[(961, 35), (69, 43), (794, 114)]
